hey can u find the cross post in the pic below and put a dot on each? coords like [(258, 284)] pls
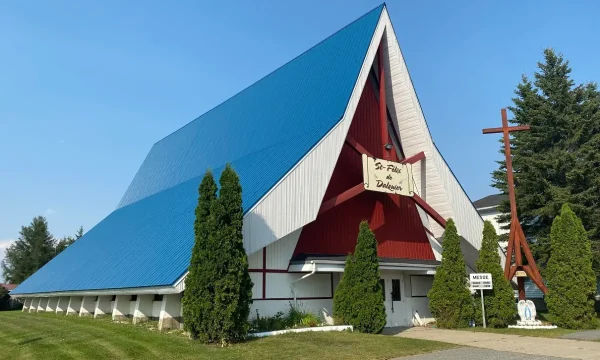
[(517, 243)]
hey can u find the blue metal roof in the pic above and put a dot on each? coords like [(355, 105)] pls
[(263, 131)]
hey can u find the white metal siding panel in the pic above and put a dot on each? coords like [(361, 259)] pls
[(280, 252), (317, 285), (420, 285), (435, 182), (156, 309), (255, 260), (258, 285), (131, 307), (296, 199)]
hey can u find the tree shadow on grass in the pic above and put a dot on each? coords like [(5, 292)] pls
[(29, 341)]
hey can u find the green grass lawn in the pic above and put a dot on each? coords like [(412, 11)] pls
[(48, 336)]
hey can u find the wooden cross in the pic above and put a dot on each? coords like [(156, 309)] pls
[(517, 243)]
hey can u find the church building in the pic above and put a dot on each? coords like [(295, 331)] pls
[(301, 140)]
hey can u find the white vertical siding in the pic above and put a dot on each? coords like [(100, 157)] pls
[(258, 285), (156, 309), (317, 285), (283, 209), (255, 260), (420, 285), (280, 252), (435, 182)]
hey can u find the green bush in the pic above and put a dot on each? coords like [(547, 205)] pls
[(500, 308), (570, 278), (218, 294), (199, 293), (450, 300), (358, 299), (296, 317)]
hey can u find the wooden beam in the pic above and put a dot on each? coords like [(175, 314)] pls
[(413, 159), (510, 129), (345, 196), (356, 146), (429, 210), (383, 106)]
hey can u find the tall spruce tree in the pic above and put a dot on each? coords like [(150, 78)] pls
[(233, 286), (199, 292), (500, 309), (358, 299), (450, 300), (34, 248), (557, 161), (569, 275)]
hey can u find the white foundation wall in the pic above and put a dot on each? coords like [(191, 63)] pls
[(279, 285), (156, 309)]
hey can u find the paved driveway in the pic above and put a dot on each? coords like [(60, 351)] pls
[(477, 354), (560, 348)]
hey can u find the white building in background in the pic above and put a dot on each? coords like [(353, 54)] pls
[(489, 209)]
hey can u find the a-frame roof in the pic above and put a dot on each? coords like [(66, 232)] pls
[(263, 131)]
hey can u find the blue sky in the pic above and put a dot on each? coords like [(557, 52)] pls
[(87, 87)]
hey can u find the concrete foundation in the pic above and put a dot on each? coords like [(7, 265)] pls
[(42, 305), (88, 306), (52, 302), (170, 312), (26, 304), (121, 309), (143, 308), (35, 302), (103, 306), (62, 305), (74, 305)]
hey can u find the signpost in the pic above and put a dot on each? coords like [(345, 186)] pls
[(387, 176), (481, 281)]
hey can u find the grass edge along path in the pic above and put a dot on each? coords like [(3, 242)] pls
[(48, 336)]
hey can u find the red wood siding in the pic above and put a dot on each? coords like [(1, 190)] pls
[(397, 225)]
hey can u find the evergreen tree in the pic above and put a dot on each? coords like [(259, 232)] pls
[(569, 275), (233, 286), (67, 241), (557, 161), (500, 307), (33, 249), (450, 300), (199, 292), (4, 298), (358, 299)]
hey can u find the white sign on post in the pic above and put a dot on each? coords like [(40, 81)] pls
[(481, 281), (387, 176)]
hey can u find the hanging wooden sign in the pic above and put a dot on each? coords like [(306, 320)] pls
[(387, 176)]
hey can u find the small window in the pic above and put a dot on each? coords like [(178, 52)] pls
[(396, 296), (382, 282), (114, 298), (158, 297), (133, 297)]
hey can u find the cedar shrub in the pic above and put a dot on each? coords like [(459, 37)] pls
[(450, 300), (358, 299), (500, 307), (569, 274)]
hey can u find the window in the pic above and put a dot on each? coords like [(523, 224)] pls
[(133, 297), (382, 282), (396, 296), (158, 297), (114, 297)]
